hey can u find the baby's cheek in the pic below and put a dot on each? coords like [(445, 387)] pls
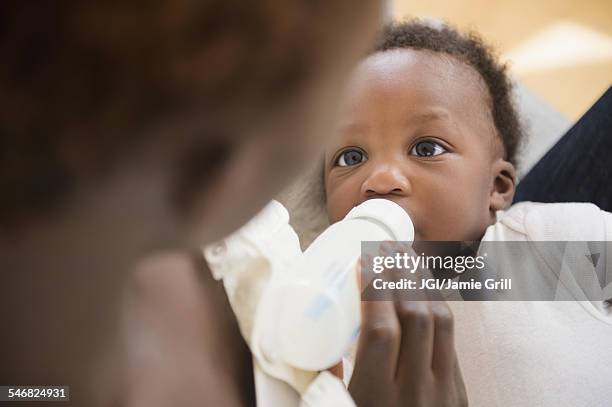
[(339, 212), (448, 219), (339, 203), (470, 220), (461, 209)]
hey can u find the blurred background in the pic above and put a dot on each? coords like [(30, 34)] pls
[(559, 49)]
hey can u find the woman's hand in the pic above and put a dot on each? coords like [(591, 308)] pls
[(406, 356)]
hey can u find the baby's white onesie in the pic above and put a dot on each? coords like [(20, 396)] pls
[(539, 353)]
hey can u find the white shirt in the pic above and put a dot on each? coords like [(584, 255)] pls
[(528, 353)]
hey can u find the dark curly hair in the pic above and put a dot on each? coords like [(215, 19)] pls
[(470, 49)]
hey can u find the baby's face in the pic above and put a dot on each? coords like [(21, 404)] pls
[(416, 128)]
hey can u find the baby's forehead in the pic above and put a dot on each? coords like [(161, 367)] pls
[(407, 85), (409, 70)]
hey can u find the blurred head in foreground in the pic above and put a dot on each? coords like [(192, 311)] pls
[(182, 116)]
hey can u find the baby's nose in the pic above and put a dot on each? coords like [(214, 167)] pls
[(385, 180)]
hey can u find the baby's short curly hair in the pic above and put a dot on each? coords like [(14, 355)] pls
[(470, 49)]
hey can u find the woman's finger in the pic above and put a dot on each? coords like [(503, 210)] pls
[(444, 357), (379, 340), (414, 362)]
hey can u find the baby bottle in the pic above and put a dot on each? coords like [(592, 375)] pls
[(310, 315)]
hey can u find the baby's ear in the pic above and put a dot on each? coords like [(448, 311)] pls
[(504, 185)]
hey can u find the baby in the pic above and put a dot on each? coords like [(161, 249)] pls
[(428, 122)]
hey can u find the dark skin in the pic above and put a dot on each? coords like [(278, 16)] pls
[(406, 356), (416, 128), (181, 333)]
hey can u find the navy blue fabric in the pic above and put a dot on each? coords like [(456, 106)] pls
[(578, 168)]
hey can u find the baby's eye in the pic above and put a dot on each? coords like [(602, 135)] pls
[(427, 149), (350, 157)]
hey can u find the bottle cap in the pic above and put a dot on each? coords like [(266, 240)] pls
[(389, 214)]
